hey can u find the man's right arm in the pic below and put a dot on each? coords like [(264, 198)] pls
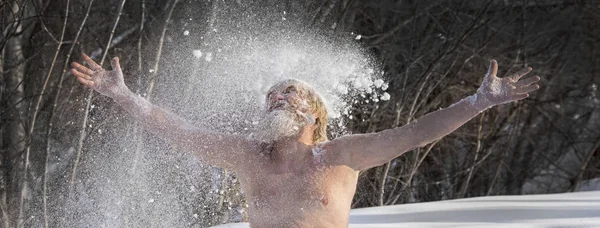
[(223, 150), (227, 151)]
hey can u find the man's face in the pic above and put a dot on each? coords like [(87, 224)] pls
[(289, 98), (287, 111)]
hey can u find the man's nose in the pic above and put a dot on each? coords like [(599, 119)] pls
[(278, 97)]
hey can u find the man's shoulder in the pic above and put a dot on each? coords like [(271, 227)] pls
[(333, 152)]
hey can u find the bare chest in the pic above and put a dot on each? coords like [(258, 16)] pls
[(308, 189)]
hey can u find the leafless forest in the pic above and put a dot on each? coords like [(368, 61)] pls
[(433, 53)]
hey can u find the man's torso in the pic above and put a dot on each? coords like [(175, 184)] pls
[(308, 195)]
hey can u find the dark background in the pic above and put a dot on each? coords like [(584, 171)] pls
[(433, 53)]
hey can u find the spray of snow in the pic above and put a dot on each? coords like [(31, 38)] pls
[(197, 53), (221, 87), (226, 90), (385, 96)]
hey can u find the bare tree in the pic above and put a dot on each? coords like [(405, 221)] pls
[(433, 53)]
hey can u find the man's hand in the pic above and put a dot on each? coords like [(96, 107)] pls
[(497, 90), (108, 83)]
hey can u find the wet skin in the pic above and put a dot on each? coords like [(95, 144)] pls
[(293, 182)]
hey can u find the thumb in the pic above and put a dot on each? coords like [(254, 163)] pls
[(115, 64), (493, 69)]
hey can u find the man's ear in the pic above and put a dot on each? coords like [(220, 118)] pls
[(314, 114)]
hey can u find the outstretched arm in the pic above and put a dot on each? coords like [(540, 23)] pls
[(364, 151), (227, 151)]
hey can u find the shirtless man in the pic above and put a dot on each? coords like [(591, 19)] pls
[(291, 174)]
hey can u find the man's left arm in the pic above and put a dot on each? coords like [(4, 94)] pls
[(363, 151)]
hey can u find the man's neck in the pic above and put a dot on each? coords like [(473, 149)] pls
[(307, 135), (286, 146), (293, 149)]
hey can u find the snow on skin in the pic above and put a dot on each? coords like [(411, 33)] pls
[(318, 154)]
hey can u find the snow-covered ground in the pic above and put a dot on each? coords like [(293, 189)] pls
[(579, 209)]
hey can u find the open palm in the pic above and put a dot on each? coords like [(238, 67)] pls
[(108, 83), (506, 89)]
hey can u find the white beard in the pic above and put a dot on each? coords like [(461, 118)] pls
[(279, 124)]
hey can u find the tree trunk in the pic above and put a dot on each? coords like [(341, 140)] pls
[(14, 194), (14, 131)]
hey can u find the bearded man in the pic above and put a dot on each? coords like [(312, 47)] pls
[(293, 176)]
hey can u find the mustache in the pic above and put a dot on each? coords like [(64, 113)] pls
[(281, 123), (303, 117), (300, 117)]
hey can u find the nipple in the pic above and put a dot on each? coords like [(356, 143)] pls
[(324, 200)]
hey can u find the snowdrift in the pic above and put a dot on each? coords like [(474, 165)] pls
[(580, 209)]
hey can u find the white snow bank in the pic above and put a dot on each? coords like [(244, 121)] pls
[(580, 209), (589, 185)]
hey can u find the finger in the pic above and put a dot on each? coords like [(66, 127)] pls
[(527, 89), (80, 75), (493, 68), (82, 68), (520, 74), (520, 96), (527, 81), (85, 82), (115, 64), (90, 62)]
